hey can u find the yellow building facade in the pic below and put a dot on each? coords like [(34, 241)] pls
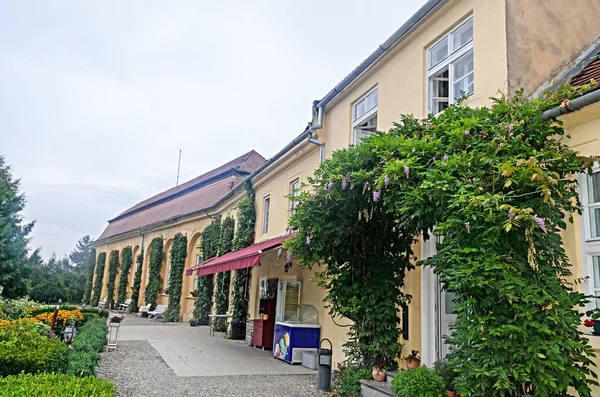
[(481, 48)]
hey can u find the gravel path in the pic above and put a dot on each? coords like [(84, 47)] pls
[(138, 370)]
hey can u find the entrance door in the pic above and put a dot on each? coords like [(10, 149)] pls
[(448, 317)]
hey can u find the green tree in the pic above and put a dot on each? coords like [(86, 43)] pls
[(137, 282), (100, 264), (14, 232), (113, 268), (79, 255)]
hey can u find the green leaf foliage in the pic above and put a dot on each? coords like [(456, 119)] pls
[(100, 263), (154, 265), (24, 349), (346, 380), (113, 268), (13, 236), (57, 385), (498, 184), (211, 239), (89, 274), (210, 243), (137, 283), (178, 256), (222, 299), (84, 354), (126, 260), (420, 381), (246, 216)]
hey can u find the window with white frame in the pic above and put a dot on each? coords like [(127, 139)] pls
[(364, 116), (450, 67), (294, 192), (266, 210), (199, 259), (590, 198)]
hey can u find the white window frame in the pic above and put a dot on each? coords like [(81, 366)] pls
[(266, 213), (294, 192), (454, 55), (590, 245), (366, 116), (199, 258)]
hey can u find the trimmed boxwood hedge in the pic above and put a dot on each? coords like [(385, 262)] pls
[(85, 352), (23, 349), (57, 385)]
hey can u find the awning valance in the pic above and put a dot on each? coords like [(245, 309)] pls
[(246, 257)]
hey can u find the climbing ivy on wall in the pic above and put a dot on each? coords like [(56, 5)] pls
[(222, 286), (154, 265), (89, 275), (113, 268), (124, 274), (210, 243), (244, 235), (137, 283), (178, 255), (100, 263), (243, 238)]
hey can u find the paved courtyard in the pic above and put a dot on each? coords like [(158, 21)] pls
[(154, 358)]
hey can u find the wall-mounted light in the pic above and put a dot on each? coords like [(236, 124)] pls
[(287, 267)]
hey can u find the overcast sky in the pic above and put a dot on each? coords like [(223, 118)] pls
[(98, 97)]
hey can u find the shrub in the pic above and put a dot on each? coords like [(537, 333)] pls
[(346, 380), (418, 382), (84, 355), (57, 385), (24, 348), (18, 306), (447, 373), (64, 316)]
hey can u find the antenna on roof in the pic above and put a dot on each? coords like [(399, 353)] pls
[(178, 167)]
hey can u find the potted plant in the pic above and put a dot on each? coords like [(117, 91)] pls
[(378, 370), (116, 318), (413, 360), (448, 375)]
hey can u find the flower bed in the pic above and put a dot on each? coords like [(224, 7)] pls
[(57, 385), (64, 316)]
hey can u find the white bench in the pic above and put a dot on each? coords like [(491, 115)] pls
[(158, 312), (125, 305), (144, 309)]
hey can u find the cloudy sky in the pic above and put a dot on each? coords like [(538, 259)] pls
[(98, 97)]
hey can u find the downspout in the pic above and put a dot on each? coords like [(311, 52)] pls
[(141, 234), (315, 127)]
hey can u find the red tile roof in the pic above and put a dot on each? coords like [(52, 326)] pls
[(591, 71), (199, 193)]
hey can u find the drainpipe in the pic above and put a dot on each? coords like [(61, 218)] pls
[(141, 234), (314, 128)]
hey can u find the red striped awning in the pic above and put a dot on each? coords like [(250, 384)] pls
[(246, 257)]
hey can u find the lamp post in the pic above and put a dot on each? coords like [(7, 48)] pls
[(69, 334)]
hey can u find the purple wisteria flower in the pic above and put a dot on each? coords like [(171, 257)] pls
[(489, 120), (279, 252), (511, 215), (344, 183), (287, 229), (329, 185), (365, 186), (376, 195), (307, 240), (351, 185), (406, 170), (540, 222), (386, 180), (288, 257), (511, 127), (467, 132), (445, 158), (468, 226)]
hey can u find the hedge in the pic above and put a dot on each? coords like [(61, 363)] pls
[(24, 349), (100, 263), (57, 385), (85, 352)]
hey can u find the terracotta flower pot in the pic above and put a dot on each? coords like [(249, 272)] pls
[(451, 394), (378, 375), (413, 363)]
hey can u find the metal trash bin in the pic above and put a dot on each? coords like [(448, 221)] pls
[(325, 358)]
